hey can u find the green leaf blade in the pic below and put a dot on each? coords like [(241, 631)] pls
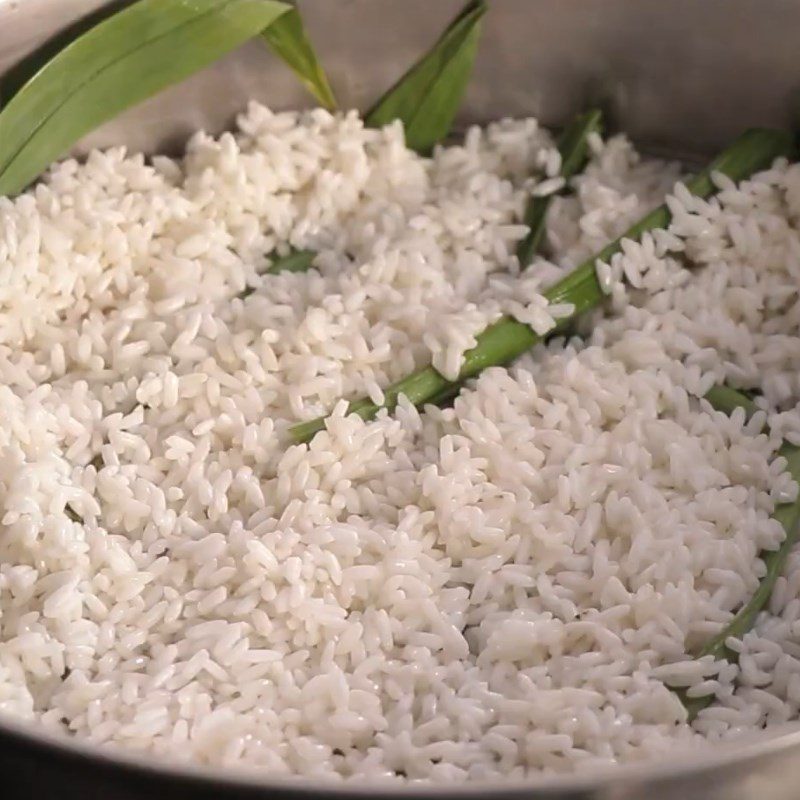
[(288, 39), (117, 64), (428, 95), (727, 400), (294, 261), (573, 145), (507, 338)]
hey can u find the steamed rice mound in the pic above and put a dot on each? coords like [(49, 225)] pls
[(493, 589)]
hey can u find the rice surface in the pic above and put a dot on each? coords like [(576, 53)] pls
[(500, 588)]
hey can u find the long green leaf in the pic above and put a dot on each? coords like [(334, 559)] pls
[(288, 39), (427, 97), (120, 62), (573, 147), (18, 74), (507, 339), (725, 399)]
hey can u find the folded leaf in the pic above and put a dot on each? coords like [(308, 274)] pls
[(573, 147), (120, 62), (427, 97), (288, 39)]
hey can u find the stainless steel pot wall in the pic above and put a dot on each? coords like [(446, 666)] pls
[(681, 76)]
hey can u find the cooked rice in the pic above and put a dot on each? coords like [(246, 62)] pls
[(495, 589)]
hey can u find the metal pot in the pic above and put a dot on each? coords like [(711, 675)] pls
[(682, 77)]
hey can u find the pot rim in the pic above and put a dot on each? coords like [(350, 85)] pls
[(683, 763)]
